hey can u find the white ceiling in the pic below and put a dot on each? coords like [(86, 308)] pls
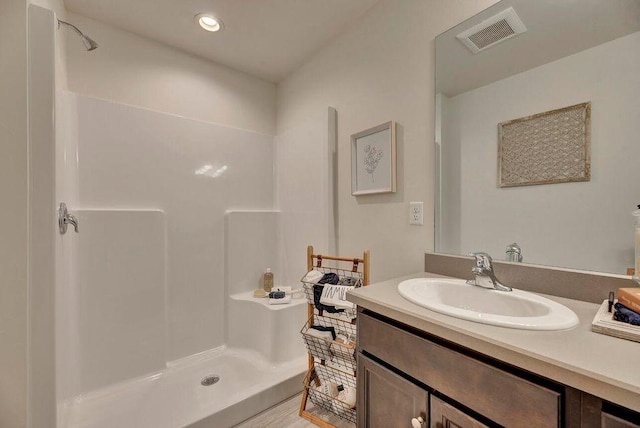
[(265, 38), (555, 29)]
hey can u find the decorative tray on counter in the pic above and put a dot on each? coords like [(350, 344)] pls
[(604, 323)]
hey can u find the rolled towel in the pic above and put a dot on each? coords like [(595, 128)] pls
[(349, 280), (329, 278), (313, 276), (624, 314), (347, 397)]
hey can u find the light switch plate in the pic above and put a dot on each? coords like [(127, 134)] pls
[(416, 213)]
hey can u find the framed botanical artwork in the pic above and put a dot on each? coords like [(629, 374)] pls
[(373, 160)]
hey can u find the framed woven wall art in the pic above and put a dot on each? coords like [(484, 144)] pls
[(546, 148)]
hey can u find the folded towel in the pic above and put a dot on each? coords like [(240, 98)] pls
[(342, 364), (328, 388), (320, 345), (317, 294), (280, 301), (624, 314), (336, 295), (321, 331), (313, 276)]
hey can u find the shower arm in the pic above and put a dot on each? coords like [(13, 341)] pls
[(88, 42)]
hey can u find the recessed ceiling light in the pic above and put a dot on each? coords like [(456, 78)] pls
[(209, 22)]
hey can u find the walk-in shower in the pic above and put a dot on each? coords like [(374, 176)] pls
[(155, 320)]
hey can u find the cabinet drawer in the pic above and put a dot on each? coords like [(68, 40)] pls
[(498, 395)]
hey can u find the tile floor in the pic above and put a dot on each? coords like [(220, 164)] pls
[(285, 415)]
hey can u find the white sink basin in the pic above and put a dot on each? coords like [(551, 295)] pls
[(513, 309)]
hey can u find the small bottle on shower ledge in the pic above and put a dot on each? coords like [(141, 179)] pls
[(267, 280)]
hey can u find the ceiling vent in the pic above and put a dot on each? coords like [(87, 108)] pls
[(492, 31)]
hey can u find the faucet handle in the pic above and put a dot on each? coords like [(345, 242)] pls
[(65, 218), (514, 253), (483, 260)]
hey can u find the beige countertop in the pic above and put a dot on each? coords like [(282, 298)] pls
[(600, 365)]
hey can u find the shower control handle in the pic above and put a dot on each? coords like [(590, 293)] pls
[(65, 218)]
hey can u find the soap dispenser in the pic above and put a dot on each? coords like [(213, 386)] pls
[(636, 273), (267, 280)]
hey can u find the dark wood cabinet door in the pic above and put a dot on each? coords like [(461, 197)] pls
[(387, 400), (444, 415), (610, 421)]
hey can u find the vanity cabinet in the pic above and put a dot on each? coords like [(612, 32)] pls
[(404, 373), (390, 400), (499, 396)]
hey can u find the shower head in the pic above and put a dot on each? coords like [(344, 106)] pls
[(88, 42)]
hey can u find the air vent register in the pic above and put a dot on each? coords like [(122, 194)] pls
[(492, 31)]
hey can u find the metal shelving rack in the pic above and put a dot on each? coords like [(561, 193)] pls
[(331, 361)]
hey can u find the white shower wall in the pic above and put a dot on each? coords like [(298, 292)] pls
[(131, 160), (305, 162), (121, 305)]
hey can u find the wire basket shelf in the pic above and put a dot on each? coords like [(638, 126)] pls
[(347, 277), (313, 385), (313, 291), (339, 352)]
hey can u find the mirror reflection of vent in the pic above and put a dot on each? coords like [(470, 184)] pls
[(492, 31)]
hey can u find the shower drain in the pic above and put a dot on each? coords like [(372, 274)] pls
[(209, 380)]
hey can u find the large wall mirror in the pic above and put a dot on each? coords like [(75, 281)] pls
[(571, 52)]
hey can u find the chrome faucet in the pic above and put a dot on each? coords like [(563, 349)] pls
[(484, 276)]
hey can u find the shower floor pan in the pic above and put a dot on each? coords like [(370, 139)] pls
[(176, 398)]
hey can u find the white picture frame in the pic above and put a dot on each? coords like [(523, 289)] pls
[(373, 160)]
